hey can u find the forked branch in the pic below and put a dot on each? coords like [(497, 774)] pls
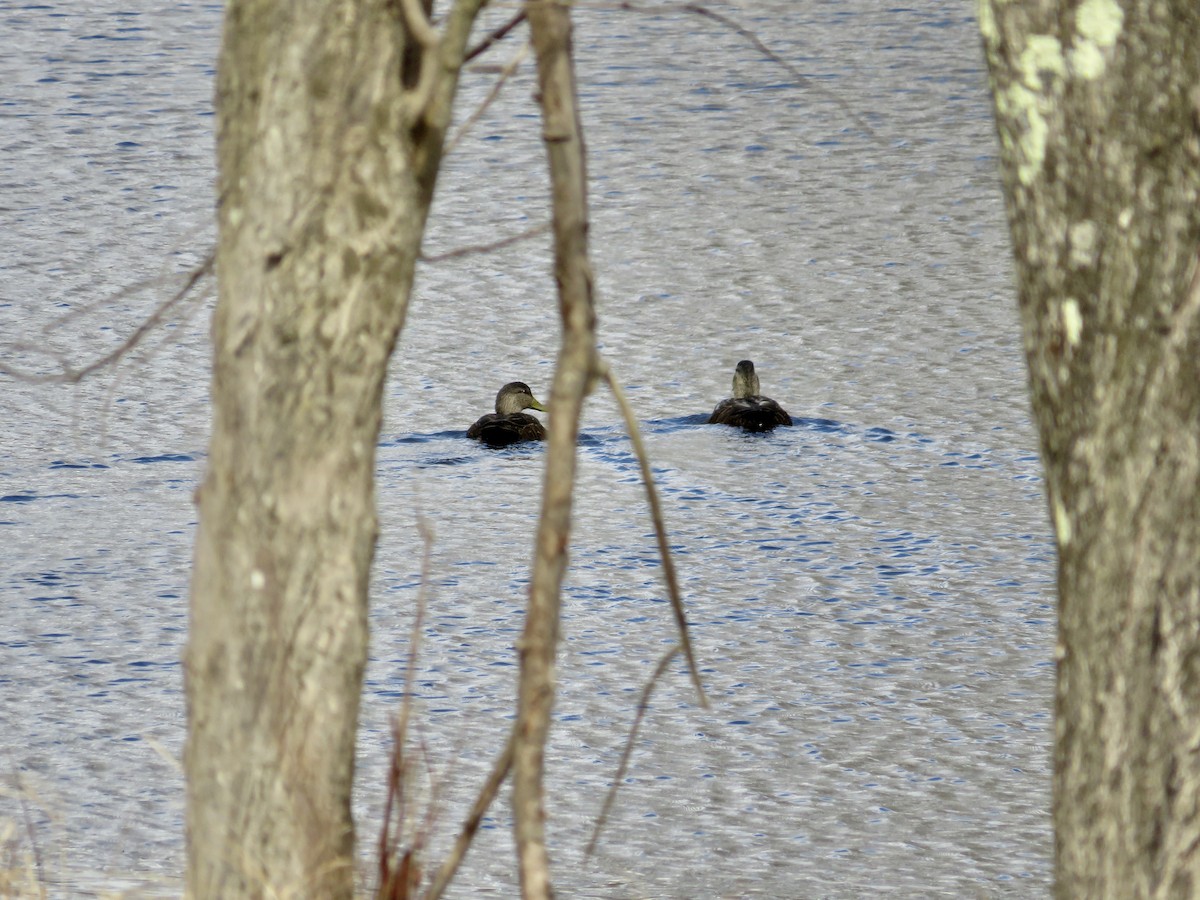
[(70, 375)]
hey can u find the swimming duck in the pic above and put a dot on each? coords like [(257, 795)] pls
[(508, 425), (747, 408)]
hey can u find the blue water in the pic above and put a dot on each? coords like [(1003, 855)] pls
[(870, 592)]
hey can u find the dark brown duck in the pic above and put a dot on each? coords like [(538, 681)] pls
[(747, 408), (509, 424)]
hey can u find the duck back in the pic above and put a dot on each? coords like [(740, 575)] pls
[(750, 413), (498, 430)]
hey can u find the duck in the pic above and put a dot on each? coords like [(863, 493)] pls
[(747, 408), (508, 424)]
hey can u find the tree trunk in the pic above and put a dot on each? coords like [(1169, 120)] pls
[(1098, 106), (329, 132)]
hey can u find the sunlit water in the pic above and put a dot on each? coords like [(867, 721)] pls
[(869, 591)]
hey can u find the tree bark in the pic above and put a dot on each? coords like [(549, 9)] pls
[(1098, 106), (574, 374), (330, 121)]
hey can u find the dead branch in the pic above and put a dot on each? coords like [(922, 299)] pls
[(697, 9), (441, 60), (623, 765), (418, 24), (186, 315), (479, 809), (660, 529), (550, 26), (488, 248), (70, 375), (507, 72), (393, 881), (498, 35)]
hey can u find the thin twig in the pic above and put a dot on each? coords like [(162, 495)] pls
[(118, 380), (414, 641), (660, 530), (393, 797), (396, 770), (698, 10), (509, 68), (433, 809), (488, 248), (497, 35), (74, 376), (479, 809), (189, 239), (30, 831), (623, 765)]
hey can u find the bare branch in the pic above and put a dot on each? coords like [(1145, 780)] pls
[(425, 530), (396, 797), (623, 765), (479, 809), (497, 35), (428, 106), (550, 26), (74, 376), (660, 530), (186, 314), (458, 31), (488, 248), (421, 98), (509, 68), (697, 9)]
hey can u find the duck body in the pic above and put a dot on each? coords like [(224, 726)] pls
[(747, 408), (750, 414), (509, 424), (496, 430)]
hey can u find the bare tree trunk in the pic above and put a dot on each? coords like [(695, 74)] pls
[(550, 25), (1098, 106), (329, 132)]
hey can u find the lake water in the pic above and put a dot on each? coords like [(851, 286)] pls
[(871, 591)]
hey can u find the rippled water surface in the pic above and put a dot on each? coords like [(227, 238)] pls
[(870, 591)]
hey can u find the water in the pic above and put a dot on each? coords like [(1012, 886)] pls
[(870, 591)]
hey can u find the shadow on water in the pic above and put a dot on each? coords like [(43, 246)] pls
[(611, 445), (443, 447)]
